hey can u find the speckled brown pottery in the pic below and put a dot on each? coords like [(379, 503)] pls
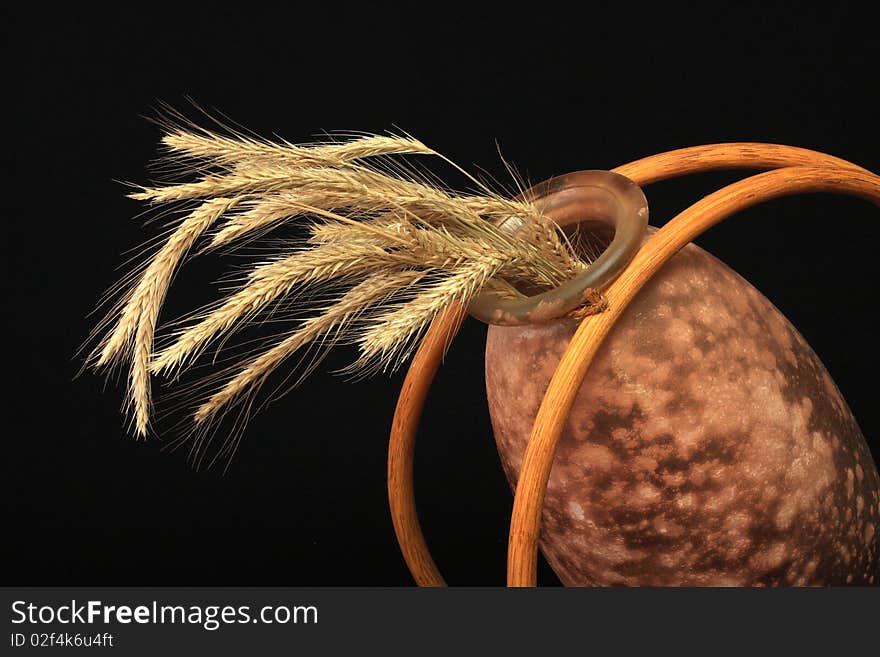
[(707, 446)]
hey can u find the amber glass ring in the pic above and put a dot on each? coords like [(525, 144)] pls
[(583, 196)]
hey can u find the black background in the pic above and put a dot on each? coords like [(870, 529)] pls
[(559, 88)]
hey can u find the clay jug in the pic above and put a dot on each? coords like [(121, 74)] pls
[(708, 445)]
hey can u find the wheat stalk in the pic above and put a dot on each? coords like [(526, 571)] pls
[(266, 283), (407, 246), (334, 232), (224, 150), (153, 282), (354, 185), (366, 193), (372, 289), (382, 343), (137, 321), (324, 263)]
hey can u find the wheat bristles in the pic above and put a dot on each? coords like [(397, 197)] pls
[(354, 301), (389, 331), (346, 186), (286, 191), (334, 232), (154, 281), (405, 245), (226, 150), (266, 283), (138, 318)]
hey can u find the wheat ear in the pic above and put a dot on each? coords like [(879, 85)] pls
[(135, 328), (391, 335), (371, 290), (355, 190), (413, 246), (223, 150), (267, 283)]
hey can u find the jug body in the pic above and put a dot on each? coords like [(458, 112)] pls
[(708, 445)]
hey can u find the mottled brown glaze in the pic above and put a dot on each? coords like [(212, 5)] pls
[(708, 445)]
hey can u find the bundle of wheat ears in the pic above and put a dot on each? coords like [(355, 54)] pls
[(386, 244)]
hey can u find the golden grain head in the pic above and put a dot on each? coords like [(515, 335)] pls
[(389, 246)]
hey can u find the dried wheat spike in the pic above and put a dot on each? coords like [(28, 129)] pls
[(390, 245)]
